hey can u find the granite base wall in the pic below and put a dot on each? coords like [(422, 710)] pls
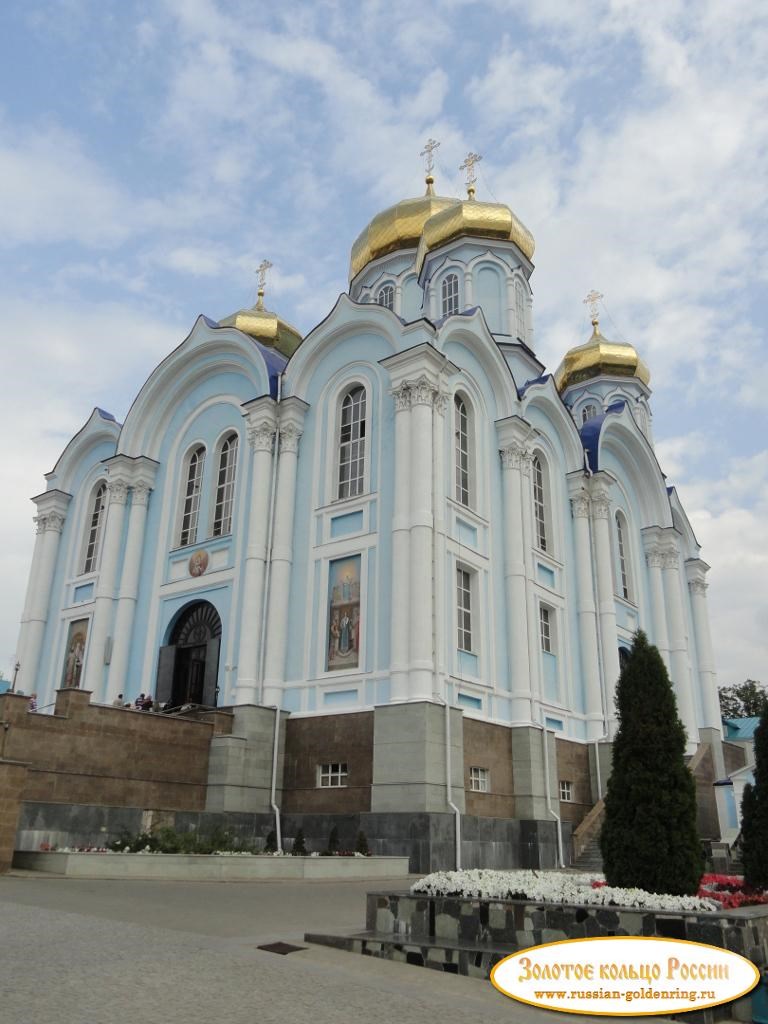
[(428, 840)]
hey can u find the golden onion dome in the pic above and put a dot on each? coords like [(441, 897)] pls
[(469, 217), (398, 227), (266, 327), (600, 357)]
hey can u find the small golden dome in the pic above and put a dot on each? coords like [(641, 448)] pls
[(600, 357), (266, 327), (484, 220), (398, 227)]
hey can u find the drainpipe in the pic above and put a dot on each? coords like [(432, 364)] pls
[(264, 608), (448, 790), (548, 796), (273, 788)]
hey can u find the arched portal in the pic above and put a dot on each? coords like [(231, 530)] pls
[(188, 667)]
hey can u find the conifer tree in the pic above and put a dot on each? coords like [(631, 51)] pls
[(649, 838), (754, 814), (299, 848), (333, 840), (361, 846)]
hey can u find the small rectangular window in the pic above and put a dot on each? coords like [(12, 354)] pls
[(332, 775), (479, 780), (566, 791), (545, 629), (464, 609)]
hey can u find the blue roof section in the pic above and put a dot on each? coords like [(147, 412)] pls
[(740, 728), (105, 415), (276, 363), (591, 430)]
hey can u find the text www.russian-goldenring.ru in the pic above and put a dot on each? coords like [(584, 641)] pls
[(690, 995)]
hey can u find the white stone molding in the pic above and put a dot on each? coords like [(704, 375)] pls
[(118, 491), (290, 435), (441, 402), (261, 436), (654, 557), (402, 398), (600, 503), (423, 391), (514, 455), (50, 521), (580, 506), (698, 587), (140, 493)]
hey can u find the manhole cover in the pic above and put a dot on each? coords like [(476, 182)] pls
[(282, 948)]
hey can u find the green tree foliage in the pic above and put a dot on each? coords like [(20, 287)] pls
[(754, 814), (747, 700), (270, 845), (361, 846), (333, 841), (649, 839), (299, 847)]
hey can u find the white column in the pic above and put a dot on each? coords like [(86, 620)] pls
[(261, 435), (697, 585), (469, 291), (49, 528), (93, 674), (401, 546), (29, 598), (282, 560), (601, 511), (654, 557), (680, 669), (398, 303), (512, 457), (587, 616), (421, 666), (439, 541), (117, 681), (534, 640)]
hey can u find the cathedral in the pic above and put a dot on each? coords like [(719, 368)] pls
[(428, 552)]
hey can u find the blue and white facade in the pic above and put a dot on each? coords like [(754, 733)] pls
[(406, 509)]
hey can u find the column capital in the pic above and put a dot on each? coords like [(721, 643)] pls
[(698, 587), (580, 505), (140, 492), (290, 435), (514, 455), (670, 558), (441, 402), (261, 435), (654, 557), (423, 391), (600, 501), (401, 397), (52, 521), (696, 570), (118, 491)]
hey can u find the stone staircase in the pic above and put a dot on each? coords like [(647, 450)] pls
[(590, 858)]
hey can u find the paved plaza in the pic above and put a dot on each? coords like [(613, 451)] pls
[(106, 952)]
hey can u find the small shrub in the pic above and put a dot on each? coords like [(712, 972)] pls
[(299, 848), (333, 841), (361, 846), (270, 844)]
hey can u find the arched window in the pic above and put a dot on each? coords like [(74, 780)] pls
[(450, 293), (462, 426), (588, 412), (192, 487), (386, 296), (623, 566), (520, 310), (94, 529), (352, 443), (540, 515), (225, 487)]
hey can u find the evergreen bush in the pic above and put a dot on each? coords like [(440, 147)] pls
[(649, 839), (333, 841), (754, 814), (270, 844), (299, 849), (361, 846)]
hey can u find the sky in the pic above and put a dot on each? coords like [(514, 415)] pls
[(153, 153)]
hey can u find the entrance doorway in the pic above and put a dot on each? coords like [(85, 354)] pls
[(188, 667)]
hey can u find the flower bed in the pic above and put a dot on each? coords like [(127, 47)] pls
[(554, 887)]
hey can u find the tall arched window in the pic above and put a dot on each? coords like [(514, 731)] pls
[(192, 487), (450, 292), (623, 565), (225, 487), (386, 296), (540, 505), (462, 429), (94, 529), (520, 310), (352, 443), (588, 413)]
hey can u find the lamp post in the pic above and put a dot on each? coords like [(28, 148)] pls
[(16, 668)]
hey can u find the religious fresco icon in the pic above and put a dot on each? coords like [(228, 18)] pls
[(73, 660), (343, 648)]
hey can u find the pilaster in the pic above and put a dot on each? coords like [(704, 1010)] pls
[(600, 511), (678, 652)]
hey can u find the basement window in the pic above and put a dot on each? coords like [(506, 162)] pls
[(332, 775)]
